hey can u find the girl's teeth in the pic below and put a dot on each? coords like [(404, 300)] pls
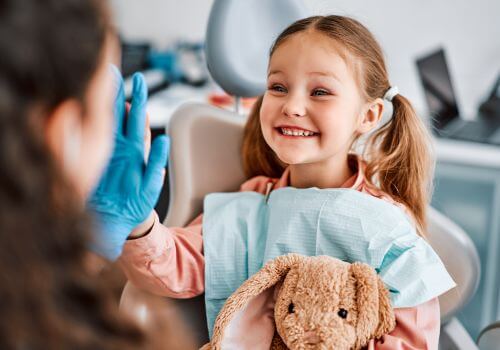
[(290, 132)]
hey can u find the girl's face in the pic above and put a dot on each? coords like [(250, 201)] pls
[(312, 109)]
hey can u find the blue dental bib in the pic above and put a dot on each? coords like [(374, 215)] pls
[(242, 231)]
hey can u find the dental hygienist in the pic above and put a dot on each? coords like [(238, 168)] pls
[(58, 133)]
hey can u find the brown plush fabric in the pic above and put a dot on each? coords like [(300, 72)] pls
[(322, 303)]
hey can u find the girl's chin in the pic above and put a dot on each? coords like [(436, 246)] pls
[(292, 159)]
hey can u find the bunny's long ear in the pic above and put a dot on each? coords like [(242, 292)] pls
[(247, 319), (375, 314), (386, 318)]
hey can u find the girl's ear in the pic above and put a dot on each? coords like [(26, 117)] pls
[(371, 116), (247, 318)]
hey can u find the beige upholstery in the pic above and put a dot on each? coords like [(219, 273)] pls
[(204, 158)]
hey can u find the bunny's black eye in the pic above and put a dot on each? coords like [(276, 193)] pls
[(291, 308), (342, 313)]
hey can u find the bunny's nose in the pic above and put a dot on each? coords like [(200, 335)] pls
[(311, 338)]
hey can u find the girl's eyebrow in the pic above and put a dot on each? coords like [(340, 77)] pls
[(274, 72), (326, 74)]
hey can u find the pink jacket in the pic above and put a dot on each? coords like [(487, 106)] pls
[(170, 262)]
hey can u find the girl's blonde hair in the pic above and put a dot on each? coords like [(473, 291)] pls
[(398, 155)]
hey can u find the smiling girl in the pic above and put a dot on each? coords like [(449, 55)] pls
[(326, 87)]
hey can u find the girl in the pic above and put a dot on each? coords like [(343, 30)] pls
[(327, 82), (56, 99)]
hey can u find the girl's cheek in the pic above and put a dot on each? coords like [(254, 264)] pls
[(264, 115), (269, 108)]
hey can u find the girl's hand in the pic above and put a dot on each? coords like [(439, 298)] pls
[(129, 189)]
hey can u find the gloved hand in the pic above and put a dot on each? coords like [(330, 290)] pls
[(129, 189)]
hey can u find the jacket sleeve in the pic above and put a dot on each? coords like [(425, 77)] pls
[(416, 328), (168, 261)]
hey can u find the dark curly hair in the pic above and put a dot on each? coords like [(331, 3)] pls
[(49, 51)]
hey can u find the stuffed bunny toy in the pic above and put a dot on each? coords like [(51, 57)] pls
[(298, 302)]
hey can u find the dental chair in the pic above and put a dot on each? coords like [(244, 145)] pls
[(205, 158)]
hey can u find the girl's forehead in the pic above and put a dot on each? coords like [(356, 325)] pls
[(312, 52)]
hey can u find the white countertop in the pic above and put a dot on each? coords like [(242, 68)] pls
[(162, 105), (468, 153)]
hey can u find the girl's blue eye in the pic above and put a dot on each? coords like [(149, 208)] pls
[(278, 88), (320, 92)]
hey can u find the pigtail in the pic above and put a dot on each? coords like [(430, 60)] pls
[(401, 160)]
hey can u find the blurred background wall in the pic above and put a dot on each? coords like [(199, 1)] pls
[(468, 30)]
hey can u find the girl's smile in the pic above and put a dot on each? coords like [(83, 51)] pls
[(295, 131)]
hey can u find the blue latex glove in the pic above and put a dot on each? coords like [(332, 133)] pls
[(129, 189)]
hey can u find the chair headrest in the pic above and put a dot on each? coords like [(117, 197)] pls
[(239, 36)]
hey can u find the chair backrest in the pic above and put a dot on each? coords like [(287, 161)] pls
[(450, 241), (239, 36), (206, 158)]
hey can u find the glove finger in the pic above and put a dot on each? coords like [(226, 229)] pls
[(119, 105), (155, 170), (136, 120)]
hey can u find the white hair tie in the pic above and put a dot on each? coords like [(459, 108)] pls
[(389, 95)]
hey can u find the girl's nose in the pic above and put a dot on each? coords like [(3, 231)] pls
[(294, 107)]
